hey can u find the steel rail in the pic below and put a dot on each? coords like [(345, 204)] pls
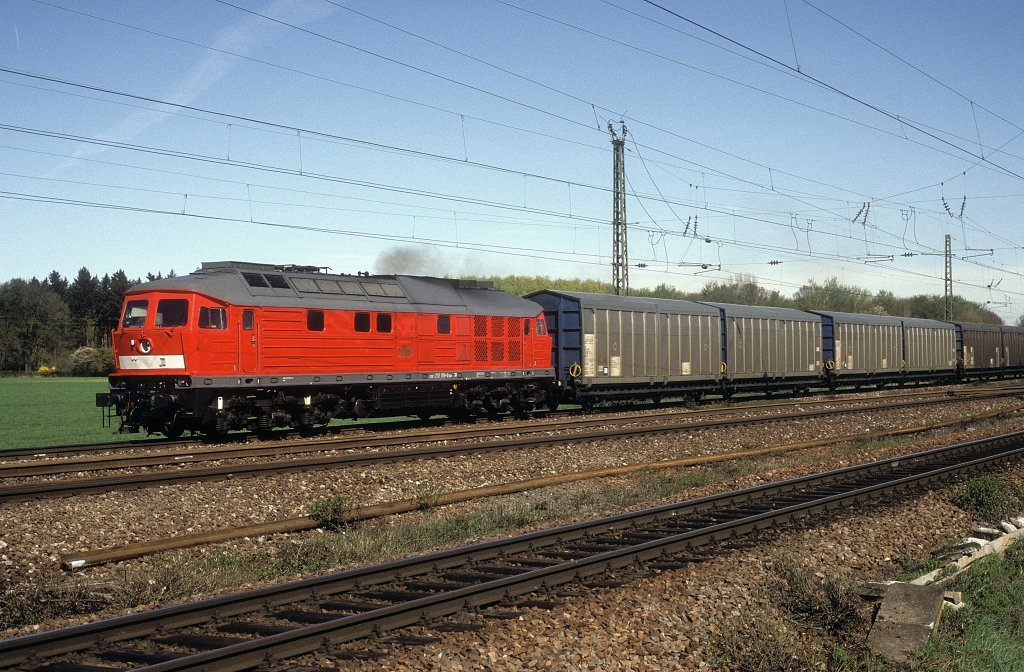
[(49, 466), (736, 405), (681, 526), (92, 485)]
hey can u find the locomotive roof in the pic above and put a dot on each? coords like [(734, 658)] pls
[(249, 284), (631, 303)]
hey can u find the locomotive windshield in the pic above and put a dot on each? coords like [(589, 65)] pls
[(135, 314), (172, 313)]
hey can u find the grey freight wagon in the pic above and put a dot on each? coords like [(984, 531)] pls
[(859, 348), (929, 349), (610, 346), (982, 348), (1013, 349), (769, 348)]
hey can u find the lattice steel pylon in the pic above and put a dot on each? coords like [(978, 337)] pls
[(948, 310), (620, 254)]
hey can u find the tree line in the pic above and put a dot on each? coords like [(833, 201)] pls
[(61, 324)]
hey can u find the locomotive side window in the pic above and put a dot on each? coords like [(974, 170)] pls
[(135, 314), (444, 324), (213, 318), (248, 320), (541, 328), (315, 320), (383, 323), (171, 313), (362, 322)]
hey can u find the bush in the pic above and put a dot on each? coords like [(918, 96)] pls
[(988, 497), (759, 646), (332, 512), (47, 598), (828, 602), (92, 362)]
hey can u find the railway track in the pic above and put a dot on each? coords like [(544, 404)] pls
[(539, 435), (75, 561), (264, 628), (95, 453), (14, 464)]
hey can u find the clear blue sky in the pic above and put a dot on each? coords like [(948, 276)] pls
[(471, 137)]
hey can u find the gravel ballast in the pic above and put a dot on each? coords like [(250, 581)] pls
[(660, 622)]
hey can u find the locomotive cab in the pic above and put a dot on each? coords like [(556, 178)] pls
[(155, 339)]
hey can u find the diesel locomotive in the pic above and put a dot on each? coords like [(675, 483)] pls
[(238, 345)]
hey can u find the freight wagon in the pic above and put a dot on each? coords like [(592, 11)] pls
[(615, 347)]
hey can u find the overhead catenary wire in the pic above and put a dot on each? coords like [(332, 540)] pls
[(242, 56), (637, 193), (838, 91)]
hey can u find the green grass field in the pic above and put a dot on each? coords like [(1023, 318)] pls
[(38, 411)]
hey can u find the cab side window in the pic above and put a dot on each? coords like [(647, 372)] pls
[(362, 322), (213, 318), (171, 313)]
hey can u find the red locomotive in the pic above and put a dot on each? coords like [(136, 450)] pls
[(239, 345)]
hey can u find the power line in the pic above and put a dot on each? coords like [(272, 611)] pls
[(836, 90), (463, 115), (909, 64)]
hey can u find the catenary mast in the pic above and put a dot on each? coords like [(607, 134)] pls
[(620, 255)]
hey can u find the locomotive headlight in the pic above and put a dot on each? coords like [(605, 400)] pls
[(145, 346)]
